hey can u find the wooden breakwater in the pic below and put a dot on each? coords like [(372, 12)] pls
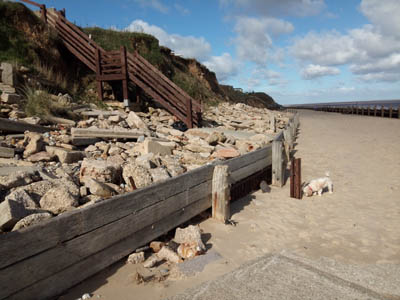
[(42, 261)]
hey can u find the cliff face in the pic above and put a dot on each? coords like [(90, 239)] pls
[(27, 40)]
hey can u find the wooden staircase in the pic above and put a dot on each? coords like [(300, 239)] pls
[(120, 65)]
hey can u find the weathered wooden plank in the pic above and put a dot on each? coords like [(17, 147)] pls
[(250, 169), (15, 126), (85, 268), (70, 252), (277, 164), (6, 171), (105, 133), (221, 194), (153, 81), (15, 246), (109, 77), (84, 141), (249, 158), (7, 152), (172, 84)]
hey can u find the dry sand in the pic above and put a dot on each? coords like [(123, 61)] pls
[(358, 224)]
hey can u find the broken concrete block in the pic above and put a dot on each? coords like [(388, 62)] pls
[(58, 200), (146, 161), (159, 174), (226, 153), (32, 220), (136, 258), (103, 171), (10, 98), (8, 75), (18, 179), (99, 188), (65, 155), (134, 121), (34, 143), (149, 146), (173, 165), (190, 235), (10, 213), (7, 152), (199, 148), (140, 176), (40, 156), (21, 196)]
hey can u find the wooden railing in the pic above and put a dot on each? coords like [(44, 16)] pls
[(123, 66)]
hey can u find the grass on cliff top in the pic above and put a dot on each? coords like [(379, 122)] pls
[(145, 44)]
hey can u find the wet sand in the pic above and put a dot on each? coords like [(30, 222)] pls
[(358, 224)]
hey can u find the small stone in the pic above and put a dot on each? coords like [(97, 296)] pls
[(136, 258), (86, 296), (90, 148), (140, 176), (103, 171), (213, 138), (151, 261), (264, 187), (169, 255), (156, 246), (115, 119)]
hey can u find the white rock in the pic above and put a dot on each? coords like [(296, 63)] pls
[(136, 258)]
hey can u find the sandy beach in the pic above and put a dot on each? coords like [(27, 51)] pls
[(358, 224)]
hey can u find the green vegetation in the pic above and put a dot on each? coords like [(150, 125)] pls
[(39, 103), (147, 45), (14, 47)]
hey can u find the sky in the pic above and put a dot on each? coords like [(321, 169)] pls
[(297, 51)]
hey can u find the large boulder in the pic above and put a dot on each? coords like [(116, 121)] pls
[(10, 213)]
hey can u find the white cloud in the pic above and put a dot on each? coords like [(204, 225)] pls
[(224, 66), (371, 51), (277, 7), (329, 48), (383, 14), (182, 10), (155, 4), (314, 71), (187, 46), (253, 41)]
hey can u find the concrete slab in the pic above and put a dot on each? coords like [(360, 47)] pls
[(284, 277)]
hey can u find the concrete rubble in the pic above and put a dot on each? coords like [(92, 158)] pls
[(109, 152)]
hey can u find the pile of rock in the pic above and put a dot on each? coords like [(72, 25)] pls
[(159, 258), (110, 152)]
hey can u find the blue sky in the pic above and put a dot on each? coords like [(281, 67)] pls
[(298, 51)]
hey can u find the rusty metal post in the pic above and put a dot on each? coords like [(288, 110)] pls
[(292, 178), (295, 178)]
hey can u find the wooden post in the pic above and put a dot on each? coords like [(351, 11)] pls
[(390, 112), (375, 111), (398, 112), (362, 110), (124, 66), (382, 111), (98, 75), (44, 13), (221, 194), (357, 110), (277, 164), (369, 110), (189, 117), (297, 178)]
